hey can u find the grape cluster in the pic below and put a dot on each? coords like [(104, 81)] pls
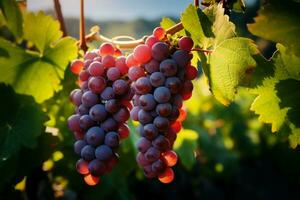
[(161, 75), (102, 109)]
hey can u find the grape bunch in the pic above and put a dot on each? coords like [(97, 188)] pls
[(102, 109), (161, 75)]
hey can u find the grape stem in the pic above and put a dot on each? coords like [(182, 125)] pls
[(82, 43), (60, 17), (95, 36), (203, 50)]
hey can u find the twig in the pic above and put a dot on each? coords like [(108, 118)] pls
[(60, 17), (82, 43), (203, 50), (196, 3), (95, 36)]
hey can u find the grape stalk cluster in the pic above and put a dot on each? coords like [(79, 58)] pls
[(156, 78)]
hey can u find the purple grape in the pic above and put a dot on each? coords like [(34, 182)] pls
[(158, 166), (120, 87), (174, 84), (141, 160), (134, 113), (107, 93), (97, 84), (97, 167), (75, 97), (74, 123), (143, 145), (147, 102), (98, 112), (164, 109), (95, 136), (160, 51), (162, 94), (181, 57), (109, 125), (152, 66), (86, 122), (143, 85), (113, 73), (152, 154), (161, 123), (79, 144), (144, 117), (168, 67), (82, 110), (134, 73), (157, 79), (112, 105), (148, 172), (89, 99), (112, 139), (177, 101), (88, 153), (103, 152), (161, 143), (150, 131), (122, 115)]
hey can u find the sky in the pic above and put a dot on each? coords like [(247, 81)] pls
[(116, 9)]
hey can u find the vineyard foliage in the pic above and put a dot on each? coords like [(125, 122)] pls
[(236, 78)]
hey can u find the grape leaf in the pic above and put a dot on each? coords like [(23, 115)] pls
[(166, 23), (12, 16), (37, 73), (229, 64), (267, 103), (185, 145), (236, 5), (283, 19), (294, 137), (21, 121)]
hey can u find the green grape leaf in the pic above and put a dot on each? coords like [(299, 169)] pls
[(12, 16), (166, 23), (21, 121), (37, 73), (288, 93), (238, 5), (271, 106), (185, 145), (279, 22), (229, 64), (41, 30), (294, 137)]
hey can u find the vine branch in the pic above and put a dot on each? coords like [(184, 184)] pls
[(82, 43), (60, 17)]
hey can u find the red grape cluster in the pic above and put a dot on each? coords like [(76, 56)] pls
[(161, 75), (102, 109)]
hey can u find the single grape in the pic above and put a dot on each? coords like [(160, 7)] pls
[(143, 85), (95, 136), (113, 73), (112, 105), (186, 43), (84, 75), (121, 65), (108, 61), (160, 51), (76, 96), (148, 172), (159, 33), (141, 160), (161, 123), (103, 152), (161, 143), (79, 144), (98, 112), (120, 87), (96, 68), (143, 144), (168, 67), (106, 49), (152, 66), (88, 153), (144, 117), (157, 79), (112, 139), (134, 113), (147, 102), (174, 84), (107, 93), (181, 57), (149, 131), (96, 84), (90, 55), (170, 158), (176, 126), (152, 154), (134, 73), (177, 101), (109, 124), (97, 167), (130, 61), (122, 115), (73, 123), (123, 131), (82, 167), (91, 180), (167, 176), (162, 94), (164, 109), (86, 121), (158, 166), (142, 53), (191, 72), (76, 66), (151, 40)]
